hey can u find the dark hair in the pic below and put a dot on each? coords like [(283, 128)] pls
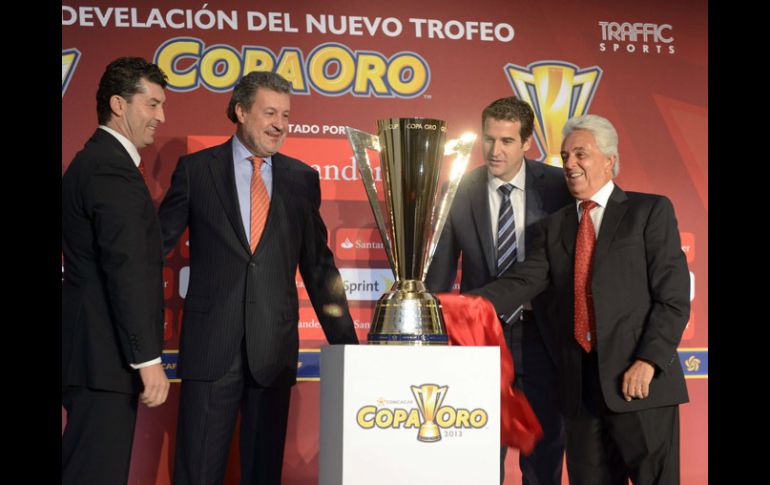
[(511, 109), (122, 77), (247, 87)]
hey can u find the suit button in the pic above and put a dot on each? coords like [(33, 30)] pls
[(253, 264)]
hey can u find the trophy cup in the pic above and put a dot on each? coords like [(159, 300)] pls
[(417, 204), (429, 398)]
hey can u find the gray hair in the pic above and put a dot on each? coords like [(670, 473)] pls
[(604, 133), (246, 89)]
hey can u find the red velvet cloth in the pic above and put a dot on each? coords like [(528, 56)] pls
[(471, 320)]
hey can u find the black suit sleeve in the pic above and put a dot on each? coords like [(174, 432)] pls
[(174, 210), (321, 277), (669, 282), (443, 268), (524, 280), (122, 213)]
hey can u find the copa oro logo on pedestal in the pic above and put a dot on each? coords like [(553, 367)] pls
[(428, 418)]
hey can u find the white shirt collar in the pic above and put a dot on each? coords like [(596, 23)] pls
[(602, 196), (517, 181), (130, 147)]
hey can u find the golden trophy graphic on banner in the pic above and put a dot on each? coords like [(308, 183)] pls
[(557, 91), (429, 398), (417, 204)]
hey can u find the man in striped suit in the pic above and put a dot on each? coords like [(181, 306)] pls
[(254, 217)]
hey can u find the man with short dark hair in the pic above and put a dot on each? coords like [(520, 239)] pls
[(112, 293), (254, 218), (489, 224)]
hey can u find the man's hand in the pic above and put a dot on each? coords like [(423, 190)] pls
[(155, 385), (636, 380)]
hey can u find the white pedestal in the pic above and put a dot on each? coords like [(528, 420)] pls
[(372, 423)]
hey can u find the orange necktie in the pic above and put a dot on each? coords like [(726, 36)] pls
[(585, 319), (260, 203)]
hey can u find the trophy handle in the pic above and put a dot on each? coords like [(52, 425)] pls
[(461, 148), (361, 141)]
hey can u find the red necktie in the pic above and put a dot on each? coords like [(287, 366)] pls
[(585, 319), (260, 203), (141, 167)]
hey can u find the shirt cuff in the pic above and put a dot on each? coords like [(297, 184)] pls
[(146, 364)]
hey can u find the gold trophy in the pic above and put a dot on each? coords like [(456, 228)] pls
[(417, 204), (429, 398)]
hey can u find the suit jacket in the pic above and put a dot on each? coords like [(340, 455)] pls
[(112, 293), (640, 288), (234, 295), (468, 230)]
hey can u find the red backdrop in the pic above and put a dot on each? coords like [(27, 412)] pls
[(642, 66)]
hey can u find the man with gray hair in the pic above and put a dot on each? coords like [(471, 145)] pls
[(254, 218), (619, 289)]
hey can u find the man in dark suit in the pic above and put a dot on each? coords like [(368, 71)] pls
[(253, 215), (488, 247), (618, 304), (112, 293)]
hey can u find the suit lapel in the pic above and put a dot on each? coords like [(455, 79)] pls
[(479, 196), (281, 177), (223, 176), (533, 193), (569, 226), (613, 214), (102, 136)]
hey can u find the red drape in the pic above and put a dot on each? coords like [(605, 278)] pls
[(471, 320)]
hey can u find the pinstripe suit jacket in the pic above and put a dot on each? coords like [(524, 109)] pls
[(234, 295)]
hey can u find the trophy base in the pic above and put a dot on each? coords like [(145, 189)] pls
[(408, 315), (429, 433)]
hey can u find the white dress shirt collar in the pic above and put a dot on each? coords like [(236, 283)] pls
[(602, 196), (518, 180), (130, 147)]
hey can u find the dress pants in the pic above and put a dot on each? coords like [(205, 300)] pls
[(207, 415), (535, 376), (97, 440), (604, 447)]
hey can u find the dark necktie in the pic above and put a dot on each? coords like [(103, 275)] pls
[(260, 203), (585, 319), (507, 248)]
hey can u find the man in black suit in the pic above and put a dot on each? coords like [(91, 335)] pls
[(618, 304), (534, 190), (112, 293), (254, 217)]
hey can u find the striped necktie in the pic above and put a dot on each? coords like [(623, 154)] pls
[(507, 248), (260, 203)]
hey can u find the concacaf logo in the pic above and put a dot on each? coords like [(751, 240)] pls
[(69, 60), (692, 364), (429, 417)]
